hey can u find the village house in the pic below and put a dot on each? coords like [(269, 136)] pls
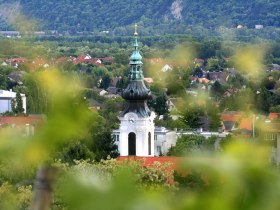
[(230, 120), (198, 62), (270, 133), (6, 98), (166, 68), (26, 125), (148, 80)]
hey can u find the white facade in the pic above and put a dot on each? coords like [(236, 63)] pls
[(166, 68), (258, 26), (164, 139), (6, 98), (136, 135)]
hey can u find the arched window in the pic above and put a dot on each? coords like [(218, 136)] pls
[(132, 144), (149, 144)]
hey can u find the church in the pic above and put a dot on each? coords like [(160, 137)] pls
[(136, 132)]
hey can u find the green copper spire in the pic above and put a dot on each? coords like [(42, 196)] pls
[(136, 93), (136, 61)]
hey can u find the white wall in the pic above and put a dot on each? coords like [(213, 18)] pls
[(141, 127), (5, 100)]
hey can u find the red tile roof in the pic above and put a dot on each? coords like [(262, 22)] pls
[(203, 80), (83, 57), (149, 80), (231, 117), (17, 60), (246, 124), (273, 116), (198, 60), (108, 59), (19, 121)]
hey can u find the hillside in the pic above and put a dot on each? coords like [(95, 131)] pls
[(157, 16)]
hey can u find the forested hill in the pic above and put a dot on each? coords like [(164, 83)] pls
[(155, 15)]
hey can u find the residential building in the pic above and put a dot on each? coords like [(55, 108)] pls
[(6, 98), (166, 68), (26, 125), (258, 26), (164, 140)]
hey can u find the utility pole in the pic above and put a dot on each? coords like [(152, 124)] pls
[(253, 126)]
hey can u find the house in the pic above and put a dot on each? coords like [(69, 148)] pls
[(6, 98), (87, 59), (17, 76), (93, 104), (107, 60), (229, 92), (15, 61), (164, 139), (221, 77), (83, 58), (171, 103), (94, 61), (39, 33), (103, 93), (10, 33), (258, 27), (26, 124), (230, 120), (246, 126), (113, 90), (271, 136), (198, 61), (273, 116), (275, 67), (38, 62), (149, 80), (202, 80), (166, 68), (154, 60)]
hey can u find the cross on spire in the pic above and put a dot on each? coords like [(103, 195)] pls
[(135, 27)]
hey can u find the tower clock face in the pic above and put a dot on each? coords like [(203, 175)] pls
[(131, 119)]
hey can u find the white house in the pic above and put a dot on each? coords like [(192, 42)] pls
[(166, 68), (164, 139), (6, 98), (258, 26)]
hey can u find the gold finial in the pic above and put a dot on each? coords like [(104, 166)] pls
[(135, 32)]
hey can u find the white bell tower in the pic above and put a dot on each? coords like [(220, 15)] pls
[(137, 121)]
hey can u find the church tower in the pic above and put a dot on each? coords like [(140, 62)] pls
[(137, 121)]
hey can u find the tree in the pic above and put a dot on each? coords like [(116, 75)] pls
[(189, 144), (104, 145), (75, 151), (213, 64), (275, 109), (191, 117), (186, 144), (214, 117), (160, 104), (17, 105), (217, 89)]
